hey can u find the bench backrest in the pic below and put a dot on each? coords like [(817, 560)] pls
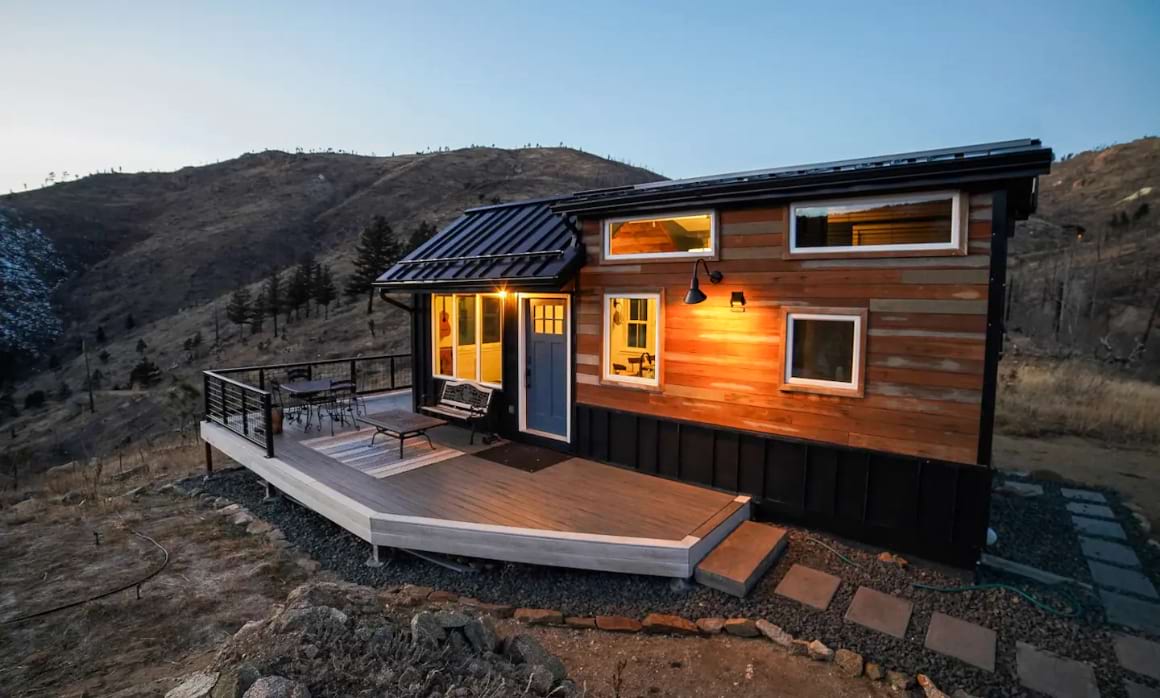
[(467, 396)]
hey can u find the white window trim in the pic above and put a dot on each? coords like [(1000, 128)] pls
[(856, 369), (455, 337), (606, 365), (711, 253), (957, 224)]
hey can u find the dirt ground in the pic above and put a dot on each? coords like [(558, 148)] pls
[(1135, 473), (693, 667)]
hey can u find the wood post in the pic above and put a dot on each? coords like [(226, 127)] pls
[(374, 560), (208, 459)]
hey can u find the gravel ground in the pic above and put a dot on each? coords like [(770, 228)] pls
[(577, 592)]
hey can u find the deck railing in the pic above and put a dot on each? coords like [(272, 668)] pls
[(241, 399)]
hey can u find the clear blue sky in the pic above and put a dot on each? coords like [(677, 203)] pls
[(683, 88)]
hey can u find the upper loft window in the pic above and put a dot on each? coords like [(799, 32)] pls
[(930, 223), (661, 237)]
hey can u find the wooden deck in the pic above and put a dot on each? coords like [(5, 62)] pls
[(577, 513)]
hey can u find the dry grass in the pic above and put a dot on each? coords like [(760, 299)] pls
[(1077, 398)]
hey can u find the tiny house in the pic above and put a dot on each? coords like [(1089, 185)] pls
[(824, 339)]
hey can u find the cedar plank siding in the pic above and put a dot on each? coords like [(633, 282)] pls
[(925, 345)]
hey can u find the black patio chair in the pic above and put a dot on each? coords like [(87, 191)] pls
[(346, 399)]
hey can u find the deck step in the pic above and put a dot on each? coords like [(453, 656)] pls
[(736, 565)]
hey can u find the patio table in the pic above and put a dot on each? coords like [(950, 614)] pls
[(306, 391), (401, 425)]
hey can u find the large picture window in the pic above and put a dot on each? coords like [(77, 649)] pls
[(632, 342), (825, 350), (467, 331), (924, 223), (660, 237)]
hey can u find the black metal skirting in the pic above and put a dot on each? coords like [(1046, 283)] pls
[(934, 509)]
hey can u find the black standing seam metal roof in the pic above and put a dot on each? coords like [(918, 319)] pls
[(523, 244)]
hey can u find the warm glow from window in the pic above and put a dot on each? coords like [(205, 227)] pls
[(930, 221), (467, 337), (685, 235), (632, 338)]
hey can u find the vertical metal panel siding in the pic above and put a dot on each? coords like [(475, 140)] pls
[(930, 508)]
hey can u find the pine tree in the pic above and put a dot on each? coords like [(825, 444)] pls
[(257, 318), (141, 346), (272, 298), (299, 287), (130, 323), (101, 339), (324, 290), (238, 308), (377, 250), (104, 356), (420, 235)]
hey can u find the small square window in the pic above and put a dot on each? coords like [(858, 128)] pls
[(824, 351)]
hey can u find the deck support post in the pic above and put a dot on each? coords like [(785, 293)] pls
[(208, 459), (375, 560), (271, 493)]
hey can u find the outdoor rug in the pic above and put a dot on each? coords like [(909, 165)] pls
[(381, 460), (524, 457)]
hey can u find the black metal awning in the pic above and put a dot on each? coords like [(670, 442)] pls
[(519, 245)]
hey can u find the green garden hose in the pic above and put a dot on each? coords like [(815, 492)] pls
[(1006, 587)]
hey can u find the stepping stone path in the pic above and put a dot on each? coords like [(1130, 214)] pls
[(1107, 551), (808, 586), (1083, 495), (1098, 510), (1139, 690), (1111, 577), (1126, 611), (1098, 527), (956, 638), (1138, 655), (882, 612), (1057, 677)]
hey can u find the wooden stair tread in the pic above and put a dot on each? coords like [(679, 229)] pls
[(746, 554)]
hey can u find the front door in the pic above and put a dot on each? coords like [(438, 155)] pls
[(546, 374)]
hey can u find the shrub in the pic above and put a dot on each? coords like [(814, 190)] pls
[(35, 399), (145, 374)]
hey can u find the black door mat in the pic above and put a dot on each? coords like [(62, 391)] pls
[(530, 459)]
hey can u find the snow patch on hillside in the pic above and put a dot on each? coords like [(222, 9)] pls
[(30, 268)]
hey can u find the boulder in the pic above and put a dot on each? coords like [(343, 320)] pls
[(618, 624), (538, 616), (669, 624), (774, 633), (849, 662), (71, 498), (276, 687), (711, 626), (741, 627), (482, 634), (525, 649), (874, 671), (233, 683), (258, 527), (537, 678), (451, 619), (818, 651), (928, 687), (314, 620), (196, 685), (425, 629)]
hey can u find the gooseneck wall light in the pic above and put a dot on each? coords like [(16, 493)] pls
[(695, 294)]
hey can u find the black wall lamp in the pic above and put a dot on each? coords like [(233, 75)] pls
[(695, 294)]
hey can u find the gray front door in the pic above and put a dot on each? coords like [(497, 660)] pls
[(546, 333)]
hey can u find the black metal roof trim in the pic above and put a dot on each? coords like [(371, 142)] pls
[(988, 161), (518, 244)]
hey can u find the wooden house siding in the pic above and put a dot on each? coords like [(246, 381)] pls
[(924, 364)]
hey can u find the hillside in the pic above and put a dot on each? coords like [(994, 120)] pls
[(168, 249), (1085, 270)]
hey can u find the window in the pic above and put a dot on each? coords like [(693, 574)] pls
[(467, 332), (547, 316), (931, 222), (684, 235), (825, 350), (632, 344)]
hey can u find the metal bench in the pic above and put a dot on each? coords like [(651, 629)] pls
[(466, 401)]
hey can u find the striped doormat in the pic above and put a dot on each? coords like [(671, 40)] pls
[(381, 460)]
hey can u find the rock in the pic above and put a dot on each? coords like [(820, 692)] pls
[(230, 509), (849, 662), (233, 683), (310, 566), (618, 624), (442, 596), (711, 626), (314, 620), (24, 511), (258, 527), (135, 492), (536, 678), (414, 595), (899, 681), (1019, 489), (310, 651), (71, 498), (774, 633), (276, 687), (818, 651), (196, 685), (874, 671), (481, 633), (525, 649), (799, 648), (741, 627), (220, 502), (584, 622), (451, 619), (929, 688), (538, 616), (498, 610), (242, 518), (669, 624), (892, 559), (425, 629)]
